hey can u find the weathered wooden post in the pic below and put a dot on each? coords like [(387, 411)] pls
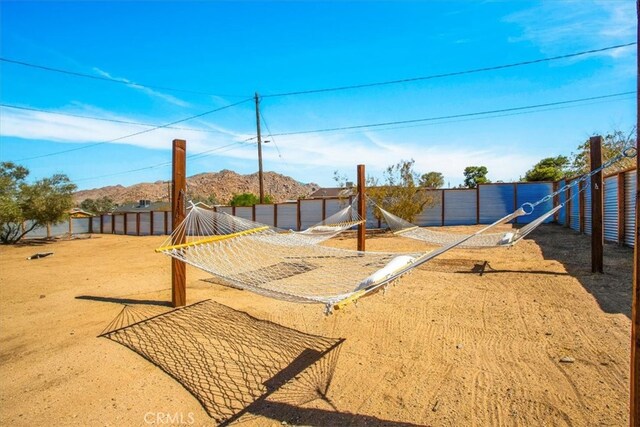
[(178, 192), (362, 209), (634, 403), (597, 201)]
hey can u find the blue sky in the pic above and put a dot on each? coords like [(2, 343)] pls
[(220, 53)]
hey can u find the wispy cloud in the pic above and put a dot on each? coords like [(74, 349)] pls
[(552, 25), (169, 98), (322, 153)]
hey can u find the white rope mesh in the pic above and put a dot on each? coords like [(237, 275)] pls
[(286, 265), (404, 228)]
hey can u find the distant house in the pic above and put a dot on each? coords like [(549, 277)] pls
[(332, 193), (79, 213), (143, 206)]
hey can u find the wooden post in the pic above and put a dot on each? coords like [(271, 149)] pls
[(137, 223), (178, 191), (166, 222), (299, 215), (125, 224), (597, 202), (515, 200), (362, 209), (622, 203), (101, 223), (478, 204), (275, 215), (442, 213), (151, 223), (556, 200), (567, 216), (634, 403), (260, 176), (581, 206), (324, 209)]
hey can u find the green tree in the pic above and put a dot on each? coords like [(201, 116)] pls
[(248, 199), (548, 169), (43, 202), (210, 200), (474, 175), (612, 145), (400, 193), (99, 206), (432, 180)]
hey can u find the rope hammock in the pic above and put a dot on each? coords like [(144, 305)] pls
[(404, 228), (289, 266)]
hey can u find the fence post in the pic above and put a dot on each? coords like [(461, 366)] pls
[(622, 203), (137, 223), (515, 200), (597, 235), (567, 216), (442, 213), (151, 223), (101, 223), (275, 215), (298, 214), (581, 206), (178, 192), (362, 209), (556, 200), (125, 224)]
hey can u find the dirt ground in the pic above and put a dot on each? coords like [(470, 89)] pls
[(473, 338)]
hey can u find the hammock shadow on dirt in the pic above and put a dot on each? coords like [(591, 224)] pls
[(228, 360), (125, 301), (477, 267), (612, 289)]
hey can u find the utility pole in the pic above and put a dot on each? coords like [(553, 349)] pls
[(257, 97)]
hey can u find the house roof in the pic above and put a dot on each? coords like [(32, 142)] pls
[(330, 192), (138, 207)]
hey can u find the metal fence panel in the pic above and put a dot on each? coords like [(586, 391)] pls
[(106, 223), (335, 205), (611, 209), (264, 214), (562, 198), (629, 209), (460, 207), (131, 224), (158, 223), (145, 223), (496, 201), (119, 224), (80, 225), (288, 216), (530, 193), (587, 208), (574, 219), (95, 224), (245, 212), (310, 212), (225, 209), (431, 215)]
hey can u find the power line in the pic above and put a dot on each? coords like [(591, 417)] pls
[(453, 116), (110, 79), (104, 119), (158, 165), (453, 73), (136, 133)]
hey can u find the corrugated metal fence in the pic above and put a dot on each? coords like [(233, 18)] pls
[(483, 205)]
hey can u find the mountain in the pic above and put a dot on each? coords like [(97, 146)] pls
[(223, 184)]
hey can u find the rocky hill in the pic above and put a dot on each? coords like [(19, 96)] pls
[(223, 184)]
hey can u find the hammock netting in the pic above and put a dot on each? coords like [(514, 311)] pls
[(406, 229), (228, 360), (286, 265)]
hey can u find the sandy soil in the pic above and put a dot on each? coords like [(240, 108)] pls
[(449, 345)]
